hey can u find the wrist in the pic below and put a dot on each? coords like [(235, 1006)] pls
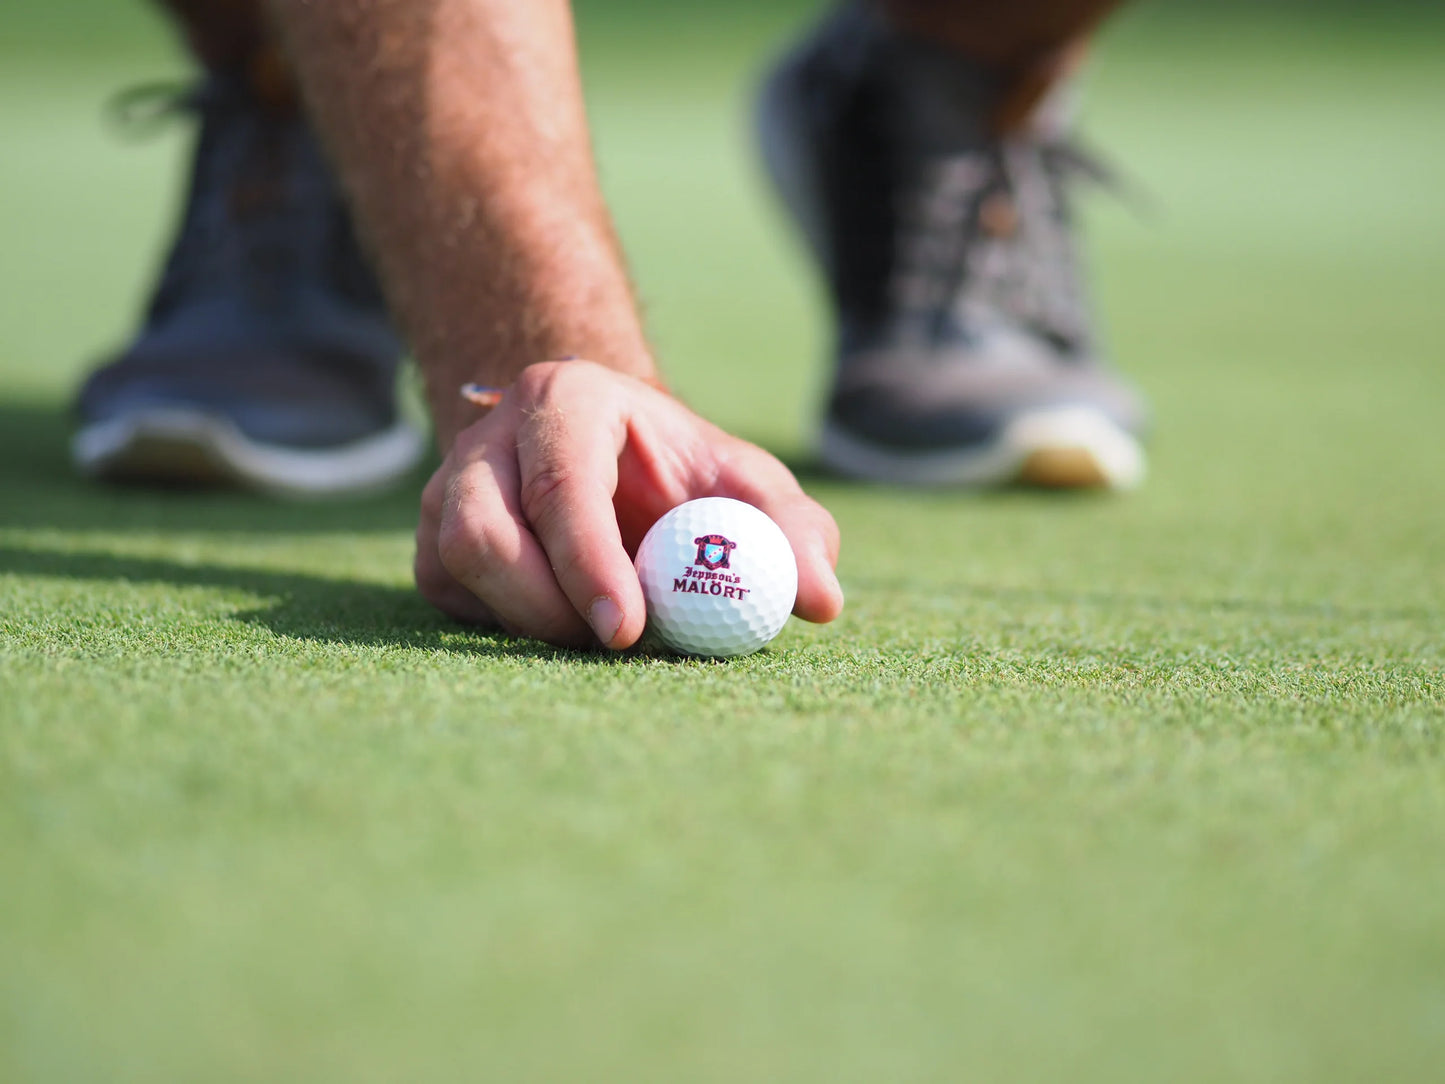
[(455, 408)]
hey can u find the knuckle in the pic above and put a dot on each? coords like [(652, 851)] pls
[(537, 381), (463, 544), (542, 493), (547, 381)]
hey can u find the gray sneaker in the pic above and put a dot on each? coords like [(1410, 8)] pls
[(964, 353), (267, 358)]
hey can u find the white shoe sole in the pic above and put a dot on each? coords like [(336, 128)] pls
[(189, 446), (1063, 448)]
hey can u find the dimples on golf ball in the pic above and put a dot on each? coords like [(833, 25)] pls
[(719, 578)]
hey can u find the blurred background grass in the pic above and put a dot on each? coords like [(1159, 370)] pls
[(1270, 120), (1132, 789)]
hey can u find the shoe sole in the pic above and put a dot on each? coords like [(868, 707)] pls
[(186, 447), (1065, 448)]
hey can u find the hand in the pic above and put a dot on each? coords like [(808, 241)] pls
[(530, 522)]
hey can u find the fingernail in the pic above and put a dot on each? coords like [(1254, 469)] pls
[(605, 617)]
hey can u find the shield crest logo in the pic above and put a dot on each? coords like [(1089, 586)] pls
[(713, 551)]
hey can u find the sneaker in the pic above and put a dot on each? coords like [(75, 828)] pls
[(965, 353), (267, 358)]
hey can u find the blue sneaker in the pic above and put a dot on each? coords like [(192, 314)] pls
[(267, 358), (965, 353)]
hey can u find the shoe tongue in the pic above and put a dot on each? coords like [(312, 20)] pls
[(944, 101)]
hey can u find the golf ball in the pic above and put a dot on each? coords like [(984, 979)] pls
[(719, 578)]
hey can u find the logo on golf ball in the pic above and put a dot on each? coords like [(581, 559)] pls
[(713, 554), (712, 551)]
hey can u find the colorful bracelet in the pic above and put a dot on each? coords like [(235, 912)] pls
[(479, 395)]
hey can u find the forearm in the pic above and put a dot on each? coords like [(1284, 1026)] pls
[(459, 129)]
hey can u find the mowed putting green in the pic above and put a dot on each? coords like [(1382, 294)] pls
[(1144, 788)]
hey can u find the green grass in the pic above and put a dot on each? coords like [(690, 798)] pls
[(1145, 788)]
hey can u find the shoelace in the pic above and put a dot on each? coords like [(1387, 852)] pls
[(143, 111), (988, 233)]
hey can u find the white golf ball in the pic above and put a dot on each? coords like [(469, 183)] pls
[(719, 578)]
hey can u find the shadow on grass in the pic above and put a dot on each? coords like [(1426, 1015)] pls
[(309, 607), (40, 489)]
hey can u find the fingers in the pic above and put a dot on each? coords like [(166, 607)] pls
[(761, 480), (484, 544), (437, 585), (525, 522), (567, 455), (523, 525)]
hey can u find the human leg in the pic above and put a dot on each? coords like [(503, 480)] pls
[(266, 357), (911, 140), (222, 34), (1037, 42), (1009, 34)]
